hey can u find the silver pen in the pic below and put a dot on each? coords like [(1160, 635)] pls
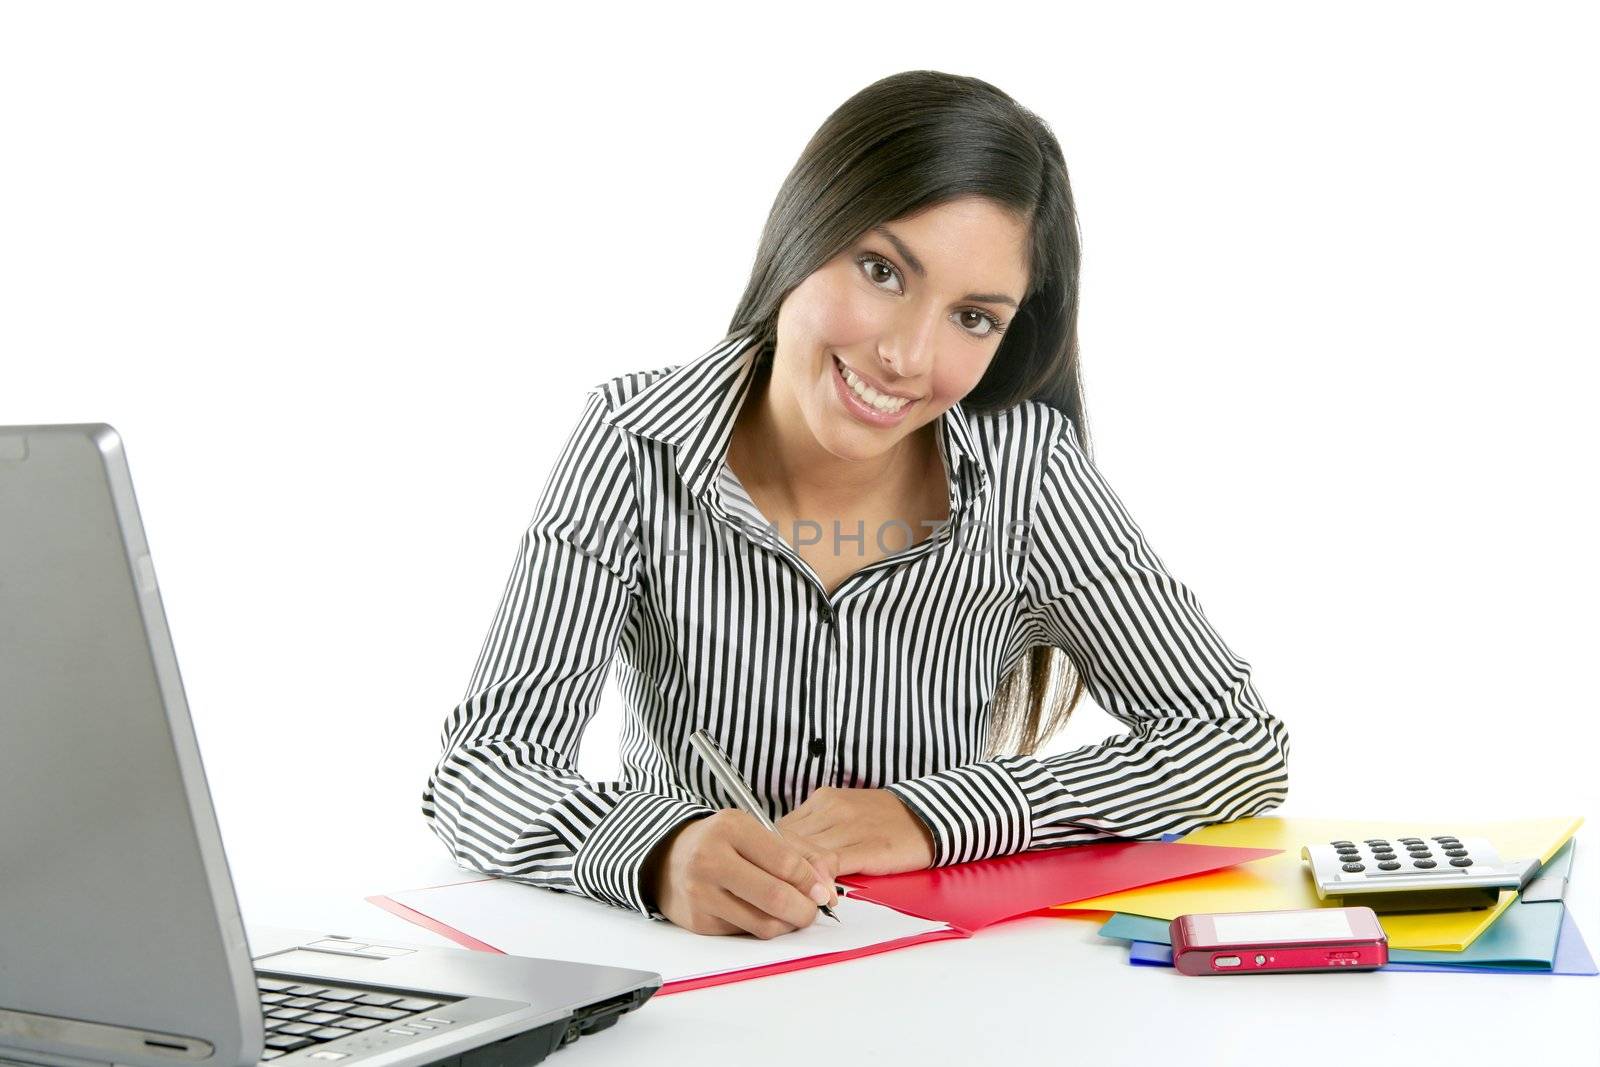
[(723, 768)]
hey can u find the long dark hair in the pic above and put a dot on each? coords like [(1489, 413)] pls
[(912, 141)]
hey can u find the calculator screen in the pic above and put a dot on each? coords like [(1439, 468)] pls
[(1269, 926)]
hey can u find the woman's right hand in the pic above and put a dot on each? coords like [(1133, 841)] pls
[(728, 874)]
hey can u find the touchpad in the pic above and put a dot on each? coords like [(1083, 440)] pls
[(314, 959)]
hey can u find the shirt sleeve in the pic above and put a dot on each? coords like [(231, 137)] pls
[(1201, 746), (505, 796)]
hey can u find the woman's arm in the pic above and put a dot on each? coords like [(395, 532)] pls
[(505, 796), (1202, 748)]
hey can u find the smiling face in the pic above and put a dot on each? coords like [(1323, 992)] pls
[(879, 341)]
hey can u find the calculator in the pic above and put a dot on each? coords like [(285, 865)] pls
[(1438, 873)]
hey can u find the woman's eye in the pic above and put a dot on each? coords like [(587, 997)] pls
[(984, 318), (873, 264)]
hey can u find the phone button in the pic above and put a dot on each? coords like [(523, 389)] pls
[(1225, 961)]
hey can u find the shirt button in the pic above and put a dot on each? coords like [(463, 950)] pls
[(827, 615), (816, 747)]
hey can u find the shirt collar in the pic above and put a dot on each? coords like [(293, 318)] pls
[(694, 405)]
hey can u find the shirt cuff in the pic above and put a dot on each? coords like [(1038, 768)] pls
[(974, 811), (608, 865)]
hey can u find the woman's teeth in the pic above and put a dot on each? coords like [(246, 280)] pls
[(873, 398)]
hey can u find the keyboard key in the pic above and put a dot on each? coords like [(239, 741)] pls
[(287, 1042), (328, 1033), (358, 1024), (416, 1004), (370, 1011), (286, 1013), (270, 1054), (321, 1018), (272, 984), (274, 998), (407, 1033), (301, 1002), (296, 1028), (324, 1004), (340, 994), (380, 1000), (307, 990)]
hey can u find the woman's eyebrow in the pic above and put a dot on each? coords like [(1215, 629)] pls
[(922, 272)]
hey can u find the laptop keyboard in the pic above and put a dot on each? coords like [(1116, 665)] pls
[(299, 1015)]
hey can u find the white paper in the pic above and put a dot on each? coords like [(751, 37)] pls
[(526, 920)]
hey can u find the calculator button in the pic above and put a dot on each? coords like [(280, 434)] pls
[(1425, 864), (1455, 852), (1411, 840), (1388, 865), (1445, 837), (1461, 861), (1354, 868), (1377, 841), (1342, 844), (1383, 857)]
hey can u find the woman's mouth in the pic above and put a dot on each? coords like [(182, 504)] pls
[(865, 402)]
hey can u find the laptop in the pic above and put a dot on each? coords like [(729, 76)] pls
[(122, 940)]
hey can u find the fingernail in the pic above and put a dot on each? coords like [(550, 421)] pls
[(819, 893)]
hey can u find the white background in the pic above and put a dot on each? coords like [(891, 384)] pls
[(340, 274)]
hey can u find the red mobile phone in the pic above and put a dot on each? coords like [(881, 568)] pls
[(1303, 939)]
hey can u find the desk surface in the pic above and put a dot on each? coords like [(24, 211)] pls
[(1010, 989)]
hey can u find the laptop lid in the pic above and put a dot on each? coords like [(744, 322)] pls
[(122, 941)]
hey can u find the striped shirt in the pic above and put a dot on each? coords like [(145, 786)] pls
[(644, 543)]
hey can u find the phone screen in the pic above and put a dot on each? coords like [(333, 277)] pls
[(1299, 926)]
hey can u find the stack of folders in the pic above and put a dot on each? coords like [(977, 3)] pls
[(1530, 932)]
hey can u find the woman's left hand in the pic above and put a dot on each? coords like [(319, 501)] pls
[(870, 830)]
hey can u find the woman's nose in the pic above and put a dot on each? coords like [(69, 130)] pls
[(908, 352)]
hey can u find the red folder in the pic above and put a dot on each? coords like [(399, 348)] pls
[(967, 896)]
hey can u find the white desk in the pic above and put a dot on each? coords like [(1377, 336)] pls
[(1017, 992)]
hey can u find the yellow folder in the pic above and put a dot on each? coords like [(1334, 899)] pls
[(1282, 881)]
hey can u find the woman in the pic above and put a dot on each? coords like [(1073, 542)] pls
[(861, 542)]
